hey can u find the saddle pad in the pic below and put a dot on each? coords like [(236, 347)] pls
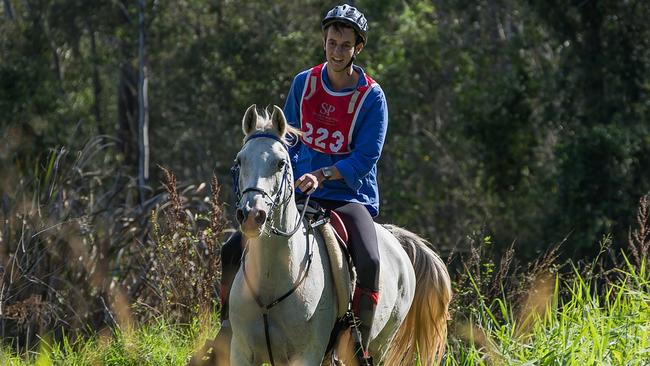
[(339, 267)]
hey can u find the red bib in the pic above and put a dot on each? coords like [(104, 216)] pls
[(327, 117)]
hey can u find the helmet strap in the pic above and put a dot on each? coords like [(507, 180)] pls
[(351, 60)]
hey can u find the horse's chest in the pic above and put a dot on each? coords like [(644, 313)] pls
[(287, 333), (293, 325), (290, 313)]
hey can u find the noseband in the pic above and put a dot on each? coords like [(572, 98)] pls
[(277, 197)]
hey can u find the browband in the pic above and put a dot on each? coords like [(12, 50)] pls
[(267, 135)]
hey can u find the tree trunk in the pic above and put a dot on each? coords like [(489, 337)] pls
[(126, 114), (97, 86), (8, 10), (593, 84), (143, 113)]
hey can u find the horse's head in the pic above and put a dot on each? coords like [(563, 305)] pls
[(263, 177)]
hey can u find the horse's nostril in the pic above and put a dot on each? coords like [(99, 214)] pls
[(240, 215), (260, 217)]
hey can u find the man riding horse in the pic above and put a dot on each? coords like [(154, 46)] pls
[(343, 116)]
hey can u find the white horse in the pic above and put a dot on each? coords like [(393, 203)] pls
[(282, 301)]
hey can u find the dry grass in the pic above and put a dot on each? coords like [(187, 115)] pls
[(639, 238), (78, 252)]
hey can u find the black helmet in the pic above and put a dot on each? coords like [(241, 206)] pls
[(349, 15)]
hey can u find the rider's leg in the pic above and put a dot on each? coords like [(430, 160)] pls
[(231, 253), (364, 251)]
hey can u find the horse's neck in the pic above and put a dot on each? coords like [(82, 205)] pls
[(274, 262)]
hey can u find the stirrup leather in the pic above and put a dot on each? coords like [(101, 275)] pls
[(361, 354)]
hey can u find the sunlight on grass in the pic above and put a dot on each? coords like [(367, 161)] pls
[(158, 343), (587, 326)]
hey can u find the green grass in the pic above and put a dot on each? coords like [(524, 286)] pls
[(157, 343), (583, 327), (610, 328)]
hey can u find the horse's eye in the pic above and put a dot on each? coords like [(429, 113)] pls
[(281, 164)]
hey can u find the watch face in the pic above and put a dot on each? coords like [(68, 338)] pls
[(327, 173)]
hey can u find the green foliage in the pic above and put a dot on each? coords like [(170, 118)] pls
[(590, 326), (598, 179), (492, 104), (158, 342), (525, 122)]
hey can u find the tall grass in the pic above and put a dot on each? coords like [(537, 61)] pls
[(88, 276), (79, 252), (591, 326), (610, 326), (594, 314), (158, 342)]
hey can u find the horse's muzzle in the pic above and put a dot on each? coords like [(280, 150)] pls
[(251, 220)]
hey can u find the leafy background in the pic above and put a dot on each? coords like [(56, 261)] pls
[(520, 123)]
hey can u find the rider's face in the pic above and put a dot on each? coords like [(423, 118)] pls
[(340, 47)]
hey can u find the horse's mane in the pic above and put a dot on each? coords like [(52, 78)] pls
[(265, 125)]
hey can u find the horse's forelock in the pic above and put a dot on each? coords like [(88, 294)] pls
[(291, 135), (265, 125)]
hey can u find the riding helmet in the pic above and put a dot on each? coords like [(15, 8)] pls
[(349, 15)]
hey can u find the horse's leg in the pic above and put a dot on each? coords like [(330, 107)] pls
[(215, 352), (222, 346), (240, 355), (308, 357), (344, 350)]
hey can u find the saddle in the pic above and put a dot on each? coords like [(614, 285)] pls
[(317, 216)]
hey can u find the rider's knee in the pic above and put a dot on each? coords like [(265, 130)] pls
[(368, 272), (371, 264)]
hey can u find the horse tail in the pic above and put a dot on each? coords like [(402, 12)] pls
[(425, 328)]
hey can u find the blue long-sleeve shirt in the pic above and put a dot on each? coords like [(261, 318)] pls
[(358, 168)]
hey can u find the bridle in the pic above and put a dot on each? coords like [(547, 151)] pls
[(276, 199)]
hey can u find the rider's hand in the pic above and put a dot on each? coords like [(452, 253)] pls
[(309, 182)]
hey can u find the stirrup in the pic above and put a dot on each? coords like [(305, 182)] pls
[(365, 361), (361, 355)]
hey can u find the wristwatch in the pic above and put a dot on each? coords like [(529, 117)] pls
[(327, 172)]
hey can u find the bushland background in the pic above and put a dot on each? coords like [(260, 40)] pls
[(515, 127)]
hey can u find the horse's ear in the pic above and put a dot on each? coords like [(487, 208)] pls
[(249, 123), (279, 121)]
